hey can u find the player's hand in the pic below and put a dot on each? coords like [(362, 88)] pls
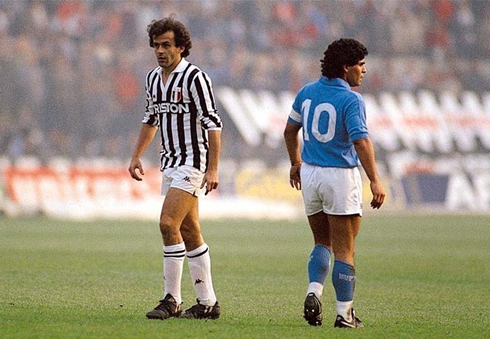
[(134, 165), (294, 176), (378, 194), (210, 181)]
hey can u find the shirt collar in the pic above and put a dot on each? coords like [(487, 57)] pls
[(180, 67), (334, 82)]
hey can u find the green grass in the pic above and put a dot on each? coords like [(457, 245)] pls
[(418, 277)]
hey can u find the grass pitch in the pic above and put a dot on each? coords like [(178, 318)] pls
[(418, 277)]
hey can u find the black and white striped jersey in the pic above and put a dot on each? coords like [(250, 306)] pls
[(185, 110)]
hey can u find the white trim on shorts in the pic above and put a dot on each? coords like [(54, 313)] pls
[(333, 190), (186, 178)]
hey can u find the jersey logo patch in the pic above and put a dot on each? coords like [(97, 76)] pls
[(176, 94)]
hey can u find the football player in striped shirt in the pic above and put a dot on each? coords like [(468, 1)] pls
[(181, 108), (335, 143)]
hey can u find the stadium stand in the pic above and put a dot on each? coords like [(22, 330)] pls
[(72, 77)]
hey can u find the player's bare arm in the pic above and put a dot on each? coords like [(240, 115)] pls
[(292, 144), (147, 133), (365, 152), (211, 177)]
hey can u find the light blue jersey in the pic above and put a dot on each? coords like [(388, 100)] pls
[(332, 117)]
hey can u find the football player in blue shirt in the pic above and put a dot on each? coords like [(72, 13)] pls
[(335, 143)]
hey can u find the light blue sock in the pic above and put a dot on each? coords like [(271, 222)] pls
[(319, 264), (344, 280)]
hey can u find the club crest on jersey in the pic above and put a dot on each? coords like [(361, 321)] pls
[(176, 94)]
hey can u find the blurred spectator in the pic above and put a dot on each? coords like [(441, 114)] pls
[(464, 30), (482, 10)]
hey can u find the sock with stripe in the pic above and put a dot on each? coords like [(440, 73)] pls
[(173, 264), (200, 270)]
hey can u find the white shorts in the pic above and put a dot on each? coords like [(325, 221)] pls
[(186, 178), (332, 190)]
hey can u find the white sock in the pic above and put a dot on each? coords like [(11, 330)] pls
[(173, 264), (316, 288), (344, 309), (200, 269)]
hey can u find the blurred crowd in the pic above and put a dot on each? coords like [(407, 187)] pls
[(72, 72)]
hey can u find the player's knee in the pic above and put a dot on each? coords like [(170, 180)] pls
[(168, 226)]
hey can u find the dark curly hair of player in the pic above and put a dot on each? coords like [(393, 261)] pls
[(181, 34), (340, 53)]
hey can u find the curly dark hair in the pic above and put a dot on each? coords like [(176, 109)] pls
[(182, 35), (339, 53)]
